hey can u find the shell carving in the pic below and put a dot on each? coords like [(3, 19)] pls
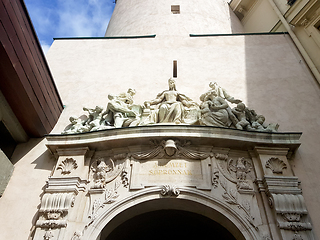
[(276, 165), (67, 165)]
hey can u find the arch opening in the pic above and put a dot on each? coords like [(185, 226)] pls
[(170, 218), (171, 224)]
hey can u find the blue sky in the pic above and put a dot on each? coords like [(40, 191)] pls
[(69, 18)]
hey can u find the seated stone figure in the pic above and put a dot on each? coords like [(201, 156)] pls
[(214, 110), (121, 112), (172, 107)]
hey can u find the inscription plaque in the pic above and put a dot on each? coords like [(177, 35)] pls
[(180, 172)]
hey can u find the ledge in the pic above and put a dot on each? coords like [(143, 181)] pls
[(101, 38), (236, 34), (198, 135)]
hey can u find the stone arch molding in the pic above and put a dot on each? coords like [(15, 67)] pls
[(230, 219), (229, 172)]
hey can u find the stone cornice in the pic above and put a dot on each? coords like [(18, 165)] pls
[(200, 135)]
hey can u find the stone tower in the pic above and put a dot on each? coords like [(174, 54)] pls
[(172, 18)]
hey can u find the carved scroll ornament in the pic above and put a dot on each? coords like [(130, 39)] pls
[(168, 190)]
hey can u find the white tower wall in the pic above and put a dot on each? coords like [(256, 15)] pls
[(136, 17)]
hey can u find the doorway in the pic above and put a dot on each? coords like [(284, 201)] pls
[(169, 224)]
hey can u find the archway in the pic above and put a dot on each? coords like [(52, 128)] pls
[(171, 218), (171, 224)]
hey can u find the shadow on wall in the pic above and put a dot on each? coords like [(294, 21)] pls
[(236, 26)]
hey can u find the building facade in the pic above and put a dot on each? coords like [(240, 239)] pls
[(227, 146)]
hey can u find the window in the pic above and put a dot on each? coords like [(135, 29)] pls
[(175, 9), (175, 70)]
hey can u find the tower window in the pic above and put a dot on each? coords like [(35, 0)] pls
[(175, 9), (175, 70)]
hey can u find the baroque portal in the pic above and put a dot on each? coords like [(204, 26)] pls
[(227, 161)]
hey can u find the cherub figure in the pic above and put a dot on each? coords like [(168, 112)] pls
[(240, 113), (94, 120), (76, 126)]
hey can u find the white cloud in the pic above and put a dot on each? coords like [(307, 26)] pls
[(83, 18), (69, 18)]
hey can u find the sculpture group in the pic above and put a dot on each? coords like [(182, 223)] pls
[(171, 107)]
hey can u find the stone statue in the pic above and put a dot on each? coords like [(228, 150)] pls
[(240, 113), (221, 92), (76, 126), (95, 117), (121, 112), (214, 110), (172, 107)]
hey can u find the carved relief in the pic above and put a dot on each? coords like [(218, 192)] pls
[(48, 235), (105, 172), (291, 212), (230, 196), (170, 148), (77, 235), (168, 190), (215, 178), (67, 165), (171, 107), (109, 196), (276, 165), (237, 171), (297, 236), (54, 208)]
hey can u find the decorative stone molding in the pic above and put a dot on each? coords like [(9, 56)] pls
[(67, 165), (48, 235), (54, 207), (108, 196), (286, 199), (237, 171), (215, 178), (168, 190), (297, 236), (170, 148), (77, 235), (276, 165), (104, 173), (230, 196)]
